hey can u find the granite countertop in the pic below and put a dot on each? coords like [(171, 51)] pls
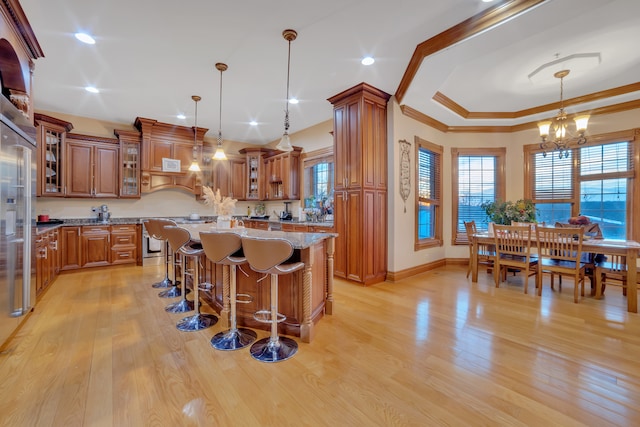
[(43, 228), (297, 239)]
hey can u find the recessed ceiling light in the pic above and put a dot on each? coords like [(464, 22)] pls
[(181, 116), (367, 60), (85, 38), (91, 89), (487, 1), (293, 101), (253, 123)]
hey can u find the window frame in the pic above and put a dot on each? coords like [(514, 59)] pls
[(437, 239), (632, 136), (460, 238)]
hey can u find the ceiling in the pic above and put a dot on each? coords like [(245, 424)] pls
[(151, 56)]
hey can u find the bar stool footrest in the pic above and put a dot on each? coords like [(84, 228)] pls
[(264, 316), (244, 299)]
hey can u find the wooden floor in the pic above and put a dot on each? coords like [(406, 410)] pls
[(434, 349)]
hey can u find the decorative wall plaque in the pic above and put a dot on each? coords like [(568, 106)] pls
[(405, 171)]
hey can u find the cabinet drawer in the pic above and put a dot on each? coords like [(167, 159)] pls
[(95, 229), (123, 228), (123, 239), (123, 256)]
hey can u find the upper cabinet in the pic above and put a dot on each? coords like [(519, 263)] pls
[(51, 138), (282, 175), (255, 172), (167, 152), (92, 166), (129, 163)]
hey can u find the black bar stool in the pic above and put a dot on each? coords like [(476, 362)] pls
[(190, 253), (271, 256), (155, 228), (226, 249)]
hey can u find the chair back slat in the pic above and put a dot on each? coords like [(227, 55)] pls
[(564, 244)]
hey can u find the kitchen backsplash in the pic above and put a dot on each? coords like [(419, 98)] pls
[(171, 203)]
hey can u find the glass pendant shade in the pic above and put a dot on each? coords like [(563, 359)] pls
[(285, 143)]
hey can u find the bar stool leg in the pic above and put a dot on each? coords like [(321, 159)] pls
[(166, 282), (233, 338), (198, 320), (184, 304), (274, 348), (173, 291)]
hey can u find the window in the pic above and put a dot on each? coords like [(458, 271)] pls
[(596, 180), (477, 177), (318, 177), (428, 195)]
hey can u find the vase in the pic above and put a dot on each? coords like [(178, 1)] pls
[(223, 221)]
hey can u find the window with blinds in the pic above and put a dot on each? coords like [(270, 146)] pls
[(477, 177), (593, 181), (428, 194)]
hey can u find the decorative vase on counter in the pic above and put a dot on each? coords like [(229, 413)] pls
[(223, 221)]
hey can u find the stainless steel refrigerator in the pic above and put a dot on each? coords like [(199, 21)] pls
[(17, 218)]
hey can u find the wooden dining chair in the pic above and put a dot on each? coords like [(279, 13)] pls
[(560, 253), (513, 252), (486, 253), (611, 271)]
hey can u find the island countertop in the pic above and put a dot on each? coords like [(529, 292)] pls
[(299, 240)]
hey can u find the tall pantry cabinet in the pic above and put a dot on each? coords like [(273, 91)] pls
[(360, 189)]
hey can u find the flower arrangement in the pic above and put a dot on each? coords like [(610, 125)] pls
[(222, 205), (501, 212)]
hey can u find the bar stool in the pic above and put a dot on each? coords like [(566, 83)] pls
[(190, 252), (226, 249), (177, 240), (270, 256), (155, 228)]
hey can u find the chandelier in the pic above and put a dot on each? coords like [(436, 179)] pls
[(194, 167), (285, 142), (555, 133), (219, 154)]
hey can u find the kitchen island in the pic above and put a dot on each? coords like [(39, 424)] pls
[(304, 297)]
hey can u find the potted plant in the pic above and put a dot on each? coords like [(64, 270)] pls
[(500, 212)]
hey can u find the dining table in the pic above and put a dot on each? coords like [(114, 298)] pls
[(627, 248)]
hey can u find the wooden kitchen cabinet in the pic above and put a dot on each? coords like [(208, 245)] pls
[(164, 144), (47, 260), (292, 226), (95, 245), (51, 137), (129, 183), (70, 247), (254, 173), (92, 166), (227, 175), (282, 175), (360, 188), (123, 244)]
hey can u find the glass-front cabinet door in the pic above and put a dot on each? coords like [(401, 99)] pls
[(51, 140), (129, 163)]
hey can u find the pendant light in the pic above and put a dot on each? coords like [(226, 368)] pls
[(285, 142), (194, 164), (219, 154)]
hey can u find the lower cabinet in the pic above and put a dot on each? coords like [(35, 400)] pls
[(47, 260), (123, 244), (70, 248), (98, 245)]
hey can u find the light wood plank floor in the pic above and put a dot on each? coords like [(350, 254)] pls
[(434, 349)]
